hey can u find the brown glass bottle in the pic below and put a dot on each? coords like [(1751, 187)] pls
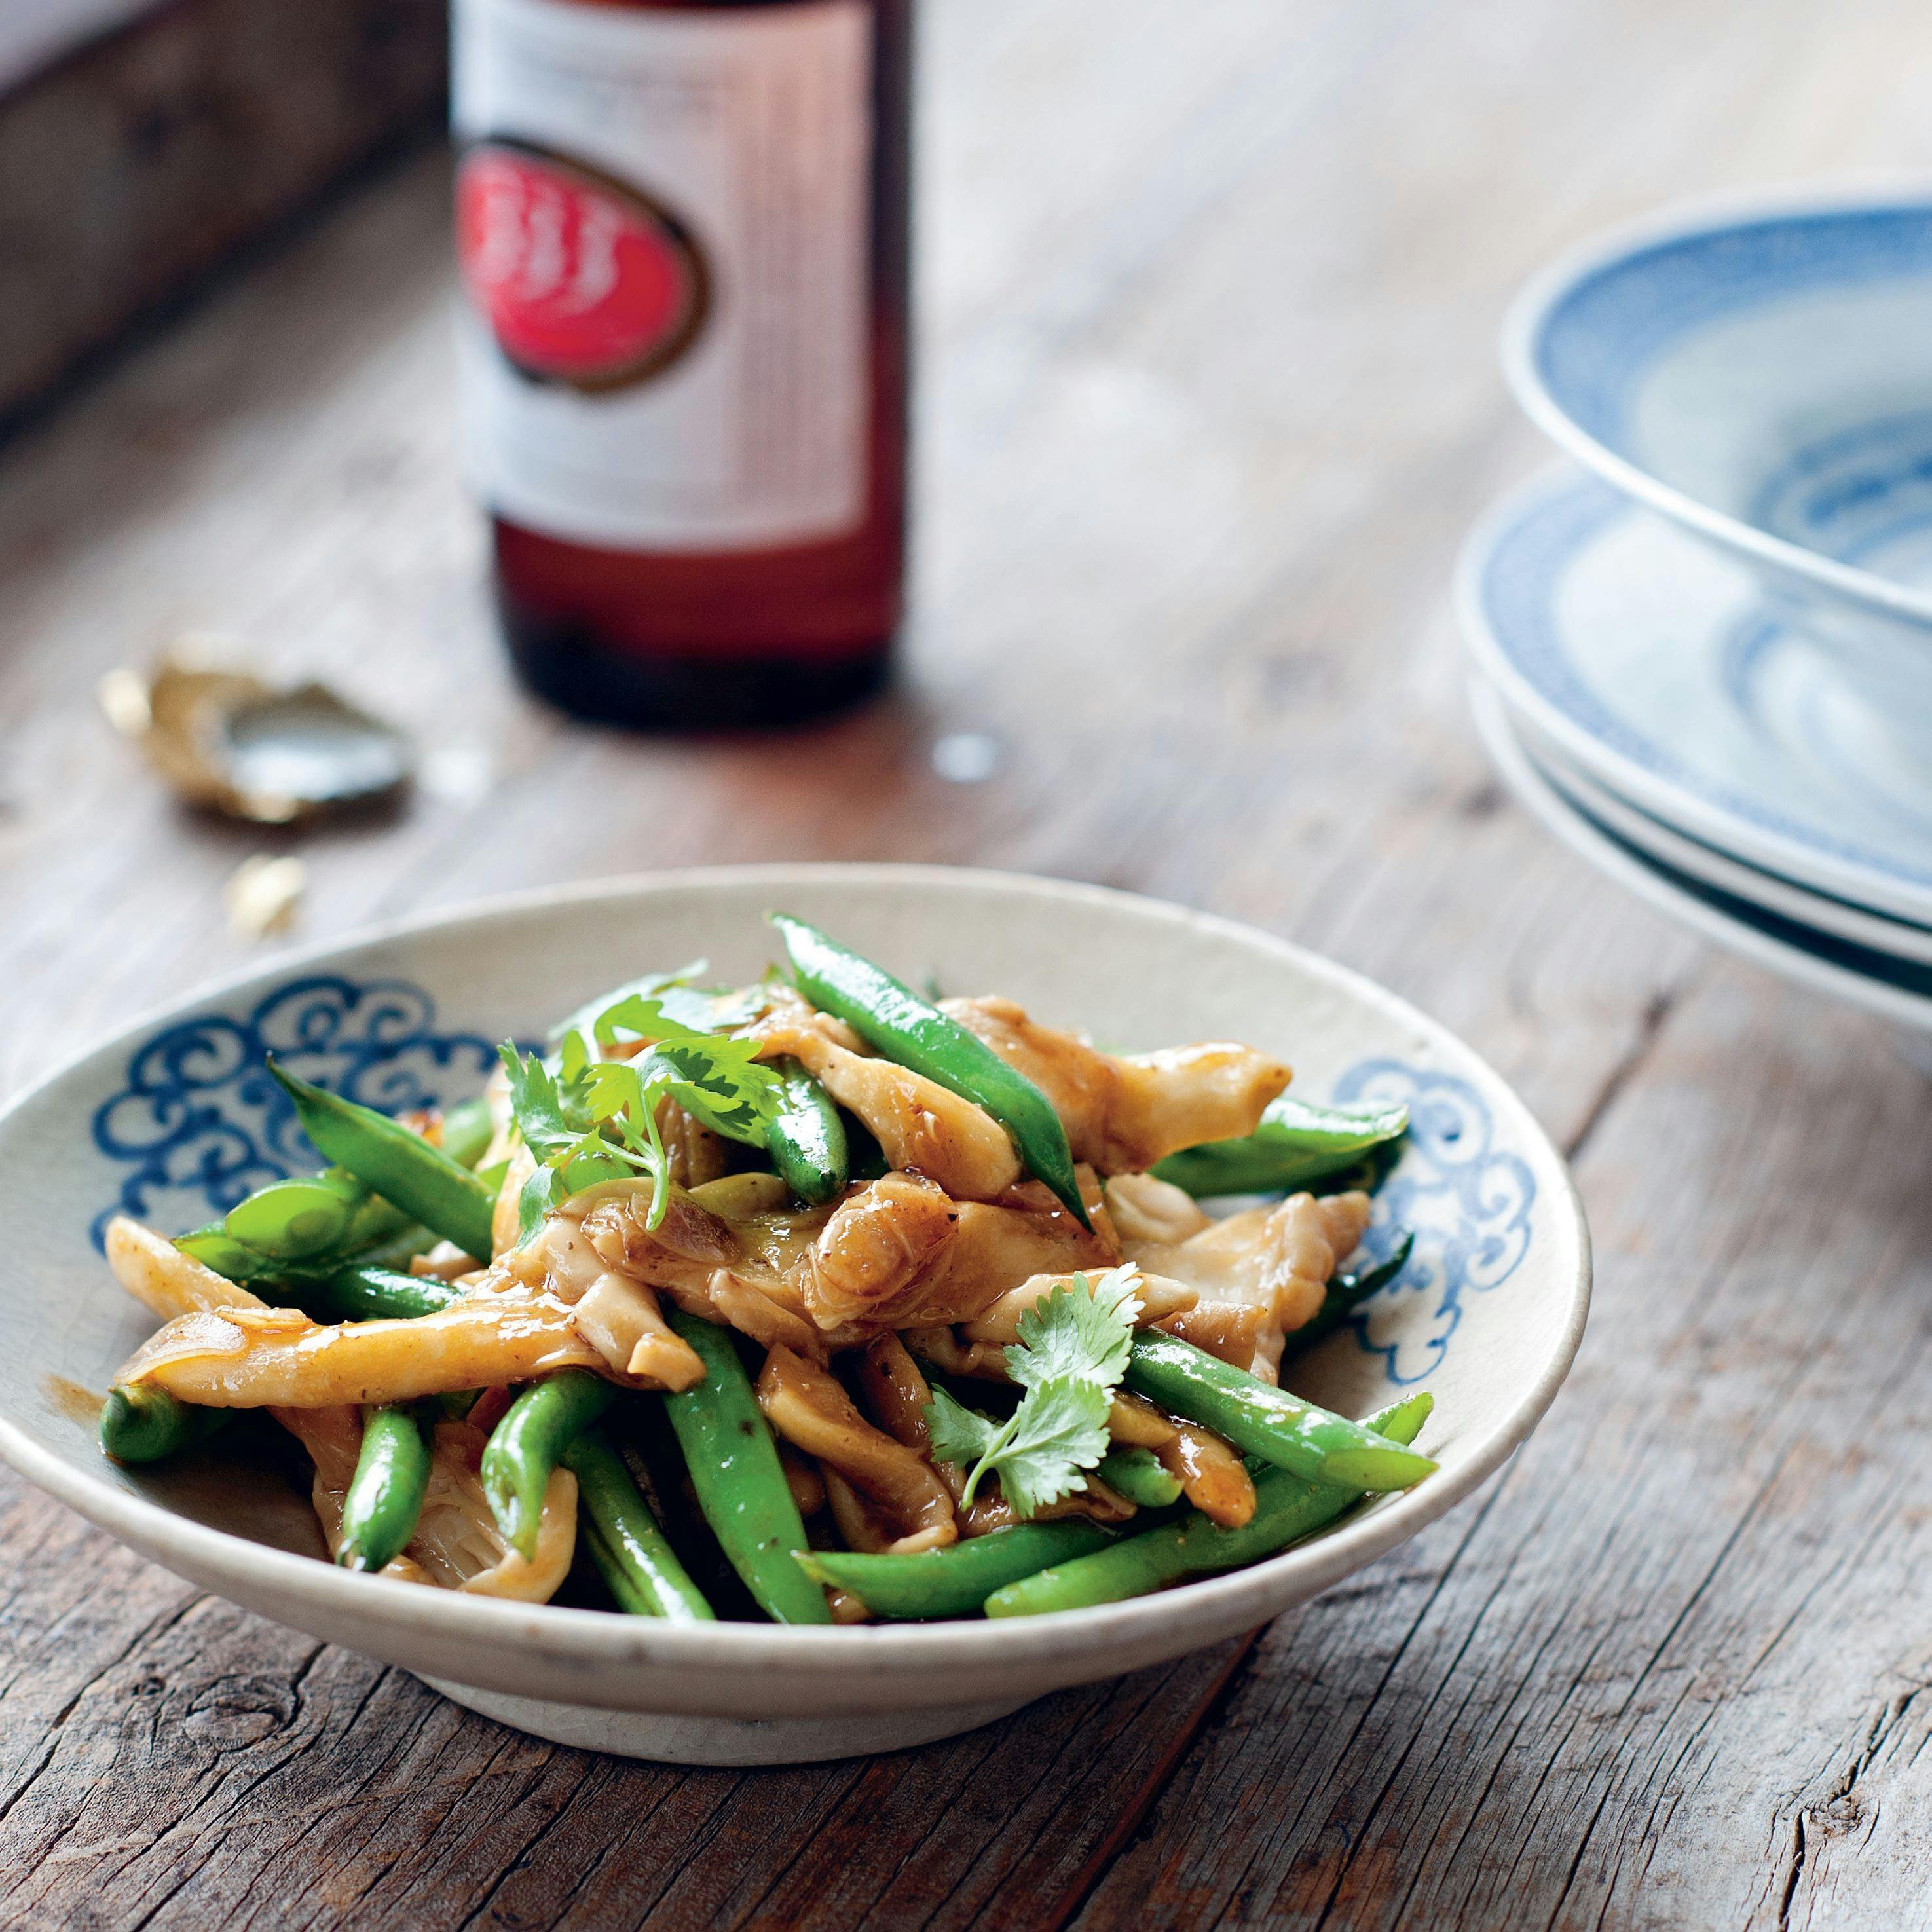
[(765, 585)]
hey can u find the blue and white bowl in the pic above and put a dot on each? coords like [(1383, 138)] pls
[(1762, 376), (1880, 981), (173, 1122)]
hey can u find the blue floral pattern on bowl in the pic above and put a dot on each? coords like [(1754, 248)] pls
[(200, 1122), (1467, 1200)]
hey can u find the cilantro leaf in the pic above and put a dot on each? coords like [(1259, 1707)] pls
[(957, 1434), (1058, 1430), (647, 986), (643, 1018), (543, 1191), (1071, 1353), (551, 1115), (721, 1082), (674, 1011), (1081, 1331), (595, 1120)]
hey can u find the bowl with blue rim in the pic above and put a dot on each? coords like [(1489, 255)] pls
[(1759, 373), (174, 1119)]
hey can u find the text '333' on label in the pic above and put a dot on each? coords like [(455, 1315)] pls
[(663, 226)]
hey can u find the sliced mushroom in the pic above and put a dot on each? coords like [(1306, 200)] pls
[(1123, 1113), (809, 1406)]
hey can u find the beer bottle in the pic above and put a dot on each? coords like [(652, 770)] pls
[(682, 230)]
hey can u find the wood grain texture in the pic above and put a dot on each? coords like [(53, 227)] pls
[(1208, 401)]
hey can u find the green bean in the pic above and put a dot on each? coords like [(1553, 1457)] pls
[(402, 1167), (527, 1444), (894, 1020), (142, 1424), (396, 1253), (1344, 1295), (1265, 1421), (230, 1258), (383, 1295), (308, 1214), (385, 1497), (267, 1242), (806, 1140), (953, 1581), (638, 1564), (467, 1132), (740, 1485), (1137, 1474), (1294, 1146), (298, 1281), (1286, 1508)]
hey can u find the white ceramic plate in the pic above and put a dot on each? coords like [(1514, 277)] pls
[(1898, 990), (172, 1120), (1652, 663), (1827, 917), (1761, 374)]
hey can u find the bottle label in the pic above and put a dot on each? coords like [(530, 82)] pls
[(663, 229)]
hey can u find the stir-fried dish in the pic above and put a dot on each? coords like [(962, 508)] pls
[(812, 1300)]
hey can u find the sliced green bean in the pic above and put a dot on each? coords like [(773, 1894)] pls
[(1294, 1146), (1286, 1508), (1344, 1295), (382, 1295), (272, 1238), (215, 1248), (740, 1485), (283, 1280), (1138, 1474), (385, 1497), (955, 1581), (633, 1556), (309, 1214), (806, 1139), (1265, 1421), (402, 1167), (894, 1020), (142, 1424), (528, 1444)]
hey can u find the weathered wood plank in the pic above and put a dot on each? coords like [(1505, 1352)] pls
[(165, 1766)]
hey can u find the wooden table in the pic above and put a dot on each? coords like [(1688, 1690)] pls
[(1208, 397)]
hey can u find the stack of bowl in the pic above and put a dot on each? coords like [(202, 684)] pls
[(1704, 646)]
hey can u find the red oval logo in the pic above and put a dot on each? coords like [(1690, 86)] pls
[(582, 280)]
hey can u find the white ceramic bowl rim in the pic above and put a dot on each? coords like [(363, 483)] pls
[(1810, 854), (601, 1638), (1832, 918), (1705, 910), (1539, 304)]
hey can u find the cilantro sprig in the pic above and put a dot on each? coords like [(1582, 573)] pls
[(1071, 1353), (586, 1119)]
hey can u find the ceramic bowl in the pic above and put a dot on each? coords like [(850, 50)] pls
[(1648, 658), (173, 1119), (1762, 375), (1898, 990)]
